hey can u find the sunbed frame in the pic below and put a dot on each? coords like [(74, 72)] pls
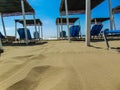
[(106, 32)]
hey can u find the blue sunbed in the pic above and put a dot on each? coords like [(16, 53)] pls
[(21, 33), (74, 31), (111, 32), (1, 36), (96, 29), (63, 34), (36, 35)]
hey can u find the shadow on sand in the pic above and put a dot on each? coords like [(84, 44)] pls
[(116, 48), (1, 51), (23, 44), (95, 47)]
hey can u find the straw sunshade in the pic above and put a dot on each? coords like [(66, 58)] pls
[(116, 10), (13, 7), (99, 20), (77, 6), (64, 21), (30, 22)]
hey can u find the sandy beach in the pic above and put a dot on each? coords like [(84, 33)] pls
[(59, 65)]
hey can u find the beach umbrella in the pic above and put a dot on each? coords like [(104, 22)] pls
[(99, 20), (14, 8), (115, 10), (79, 7), (31, 22), (64, 22)]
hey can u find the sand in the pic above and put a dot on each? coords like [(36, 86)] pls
[(59, 65)]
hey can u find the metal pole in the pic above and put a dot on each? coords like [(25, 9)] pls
[(3, 24), (110, 13), (95, 21), (58, 29), (114, 21), (15, 30), (61, 27), (35, 23), (88, 21), (66, 10), (24, 19), (0, 44), (39, 30), (80, 29)]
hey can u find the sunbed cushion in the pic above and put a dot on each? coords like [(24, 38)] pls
[(1, 36), (74, 31), (21, 33), (96, 29)]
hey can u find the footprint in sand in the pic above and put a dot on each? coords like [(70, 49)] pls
[(31, 81), (30, 57), (37, 57), (23, 57)]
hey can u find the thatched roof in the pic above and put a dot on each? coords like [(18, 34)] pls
[(64, 22), (99, 20), (77, 6), (116, 10), (13, 7), (30, 22)]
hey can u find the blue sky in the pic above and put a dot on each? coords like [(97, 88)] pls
[(48, 11)]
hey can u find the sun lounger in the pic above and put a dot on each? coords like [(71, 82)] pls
[(109, 32), (75, 31), (96, 29), (36, 35), (21, 33), (63, 34), (1, 36)]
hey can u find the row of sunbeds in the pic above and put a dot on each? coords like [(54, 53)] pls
[(21, 33), (74, 32), (96, 30)]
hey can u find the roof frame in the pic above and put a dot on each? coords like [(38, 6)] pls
[(64, 21), (116, 10), (13, 8), (99, 20), (30, 22), (77, 6)]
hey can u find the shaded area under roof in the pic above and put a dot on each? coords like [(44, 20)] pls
[(30, 22), (116, 10), (64, 21), (77, 6), (13, 7), (99, 20)]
